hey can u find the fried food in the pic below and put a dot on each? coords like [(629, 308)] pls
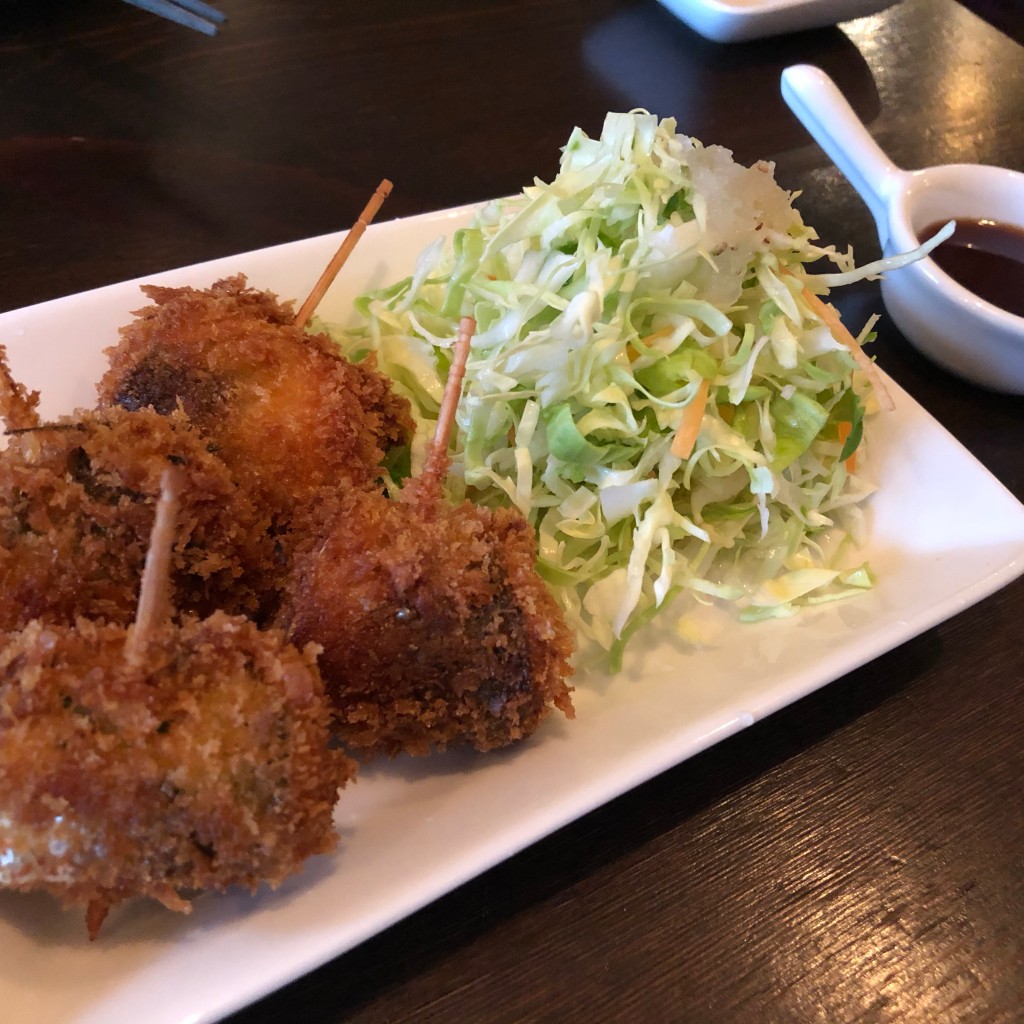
[(77, 499), (160, 759), (18, 405), (204, 767), (291, 418), (434, 625)]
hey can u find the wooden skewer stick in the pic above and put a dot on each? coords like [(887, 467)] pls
[(343, 253), (154, 607), (436, 466), (154, 603)]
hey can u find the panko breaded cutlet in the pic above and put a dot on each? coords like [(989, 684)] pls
[(434, 625), (203, 767), (77, 499), (292, 419), (436, 629)]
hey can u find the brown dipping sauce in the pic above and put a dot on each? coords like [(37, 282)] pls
[(987, 258)]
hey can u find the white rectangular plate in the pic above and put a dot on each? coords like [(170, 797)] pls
[(944, 534)]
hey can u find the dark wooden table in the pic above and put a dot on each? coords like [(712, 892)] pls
[(859, 856)]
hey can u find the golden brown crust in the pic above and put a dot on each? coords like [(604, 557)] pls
[(202, 759), (435, 627), (77, 499), (288, 415), (207, 769), (18, 405)]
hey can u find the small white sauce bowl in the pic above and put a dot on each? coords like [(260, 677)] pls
[(940, 317)]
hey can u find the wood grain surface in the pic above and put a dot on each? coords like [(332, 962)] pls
[(857, 857)]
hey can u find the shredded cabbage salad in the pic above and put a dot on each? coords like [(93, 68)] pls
[(652, 297)]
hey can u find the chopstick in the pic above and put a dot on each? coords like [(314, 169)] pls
[(190, 13)]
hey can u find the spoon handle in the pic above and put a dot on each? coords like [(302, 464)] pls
[(825, 113)]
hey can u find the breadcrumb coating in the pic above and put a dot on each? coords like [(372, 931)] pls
[(157, 759), (292, 419), (18, 405), (77, 499), (435, 627), (209, 767)]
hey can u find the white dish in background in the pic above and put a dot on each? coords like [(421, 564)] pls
[(736, 21), (944, 535)]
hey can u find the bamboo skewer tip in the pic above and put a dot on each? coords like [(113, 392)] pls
[(339, 259)]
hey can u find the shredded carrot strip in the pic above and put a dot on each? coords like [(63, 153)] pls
[(845, 427), (689, 425), (662, 332), (830, 318)]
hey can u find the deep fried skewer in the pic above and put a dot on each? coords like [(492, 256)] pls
[(291, 419), (435, 627), (179, 759)]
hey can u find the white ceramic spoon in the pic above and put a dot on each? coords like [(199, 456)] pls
[(945, 321)]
